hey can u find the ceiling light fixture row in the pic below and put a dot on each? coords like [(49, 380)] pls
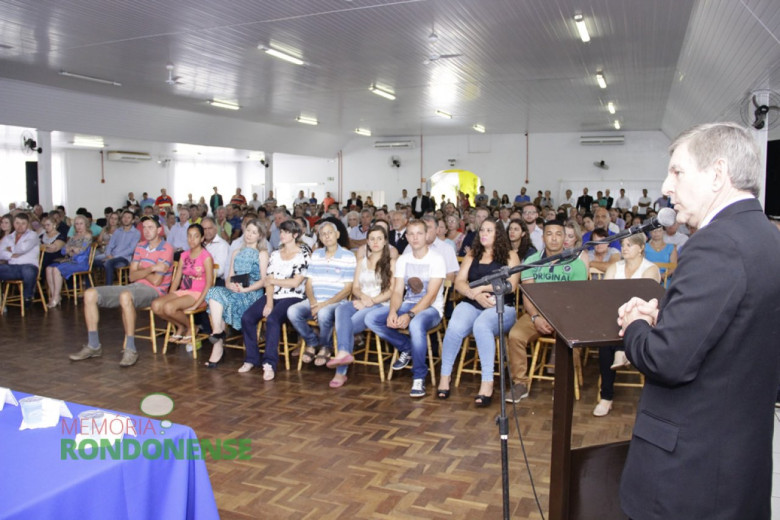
[(90, 78), (306, 120), (383, 92), (579, 21), (222, 103), (363, 131), (281, 55)]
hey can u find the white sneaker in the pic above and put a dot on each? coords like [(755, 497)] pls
[(602, 408), (246, 367), (418, 388), (620, 361), (268, 372)]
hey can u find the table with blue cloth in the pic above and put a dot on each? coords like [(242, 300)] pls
[(37, 482)]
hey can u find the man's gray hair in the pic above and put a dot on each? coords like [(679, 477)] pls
[(709, 142)]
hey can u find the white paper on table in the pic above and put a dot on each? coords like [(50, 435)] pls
[(112, 434), (6, 396), (53, 409)]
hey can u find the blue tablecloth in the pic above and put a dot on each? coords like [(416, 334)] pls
[(35, 483)]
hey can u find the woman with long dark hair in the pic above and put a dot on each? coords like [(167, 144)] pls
[(371, 287), (519, 239), (476, 312)]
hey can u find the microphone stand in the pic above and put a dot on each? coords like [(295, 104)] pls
[(499, 280)]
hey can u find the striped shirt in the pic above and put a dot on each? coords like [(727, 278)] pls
[(328, 275), (146, 258)]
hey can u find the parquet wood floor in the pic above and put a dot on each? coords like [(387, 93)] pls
[(366, 450)]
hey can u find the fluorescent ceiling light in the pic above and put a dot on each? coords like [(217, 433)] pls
[(88, 141), (479, 128), (363, 131), (442, 113), (600, 79), (617, 124), (580, 23), (281, 55), (90, 78), (382, 92), (307, 120), (221, 103), (611, 107)]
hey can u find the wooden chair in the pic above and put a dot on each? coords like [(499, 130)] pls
[(469, 359), (17, 299), (667, 270), (376, 358), (595, 274), (78, 278), (195, 336), (151, 331), (122, 275), (542, 348), (633, 379), (285, 346)]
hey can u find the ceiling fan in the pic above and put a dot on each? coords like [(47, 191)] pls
[(436, 57), (172, 80), (29, 145), (601, 164)]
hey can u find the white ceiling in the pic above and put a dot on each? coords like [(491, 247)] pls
[(668, 63)]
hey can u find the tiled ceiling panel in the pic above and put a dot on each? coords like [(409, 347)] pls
[(521, 66)]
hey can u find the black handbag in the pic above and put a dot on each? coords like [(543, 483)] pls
[(242, 279)]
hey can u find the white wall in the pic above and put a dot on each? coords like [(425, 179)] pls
[(555, 162), (292, 173)]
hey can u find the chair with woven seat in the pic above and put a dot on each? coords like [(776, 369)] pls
[(373, 357), (194, 334), (314, 324), (667, 270), (16, 299), (77, 279)]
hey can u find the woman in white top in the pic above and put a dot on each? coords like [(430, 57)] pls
[(371, 288), (633, 266)]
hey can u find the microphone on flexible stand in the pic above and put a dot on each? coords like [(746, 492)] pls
[(666, 217)]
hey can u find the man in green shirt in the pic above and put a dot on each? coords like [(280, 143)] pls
[(531, 325)]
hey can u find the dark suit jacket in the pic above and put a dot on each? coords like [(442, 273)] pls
[(702, 441), (584, 201), (400, 244), (426, 206)]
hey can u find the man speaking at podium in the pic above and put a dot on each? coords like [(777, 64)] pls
[(702, 441)]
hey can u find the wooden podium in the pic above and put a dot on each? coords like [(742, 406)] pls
[(584, 482)]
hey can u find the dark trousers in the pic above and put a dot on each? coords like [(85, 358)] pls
[(27, 273), (606, 358), (111, 265), (273, 329)]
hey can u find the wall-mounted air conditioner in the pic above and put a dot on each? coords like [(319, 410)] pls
[(602, 139), (129, 156), (393, 145)]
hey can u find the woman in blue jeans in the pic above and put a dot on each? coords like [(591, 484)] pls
[(371, 288), (477, 311), (284, 287)]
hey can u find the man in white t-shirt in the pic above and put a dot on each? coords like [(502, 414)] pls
[(435, 243), (405, 200), (673, 236), (643, 203), (623, 203), (416, 304)]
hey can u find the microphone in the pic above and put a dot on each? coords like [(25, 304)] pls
[(666, 217)]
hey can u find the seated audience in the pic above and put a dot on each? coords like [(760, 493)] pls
[(150, 274), (75, 259), (602, 255), (189, 286), (659, 251), (417, 303), (120, 248), (633, 266), (284, 287), (19, 251), (52, 240), (328, 281), (370, 288), (476, 313), (244, 285), (520, 239), (531, 324), (217, 248)]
